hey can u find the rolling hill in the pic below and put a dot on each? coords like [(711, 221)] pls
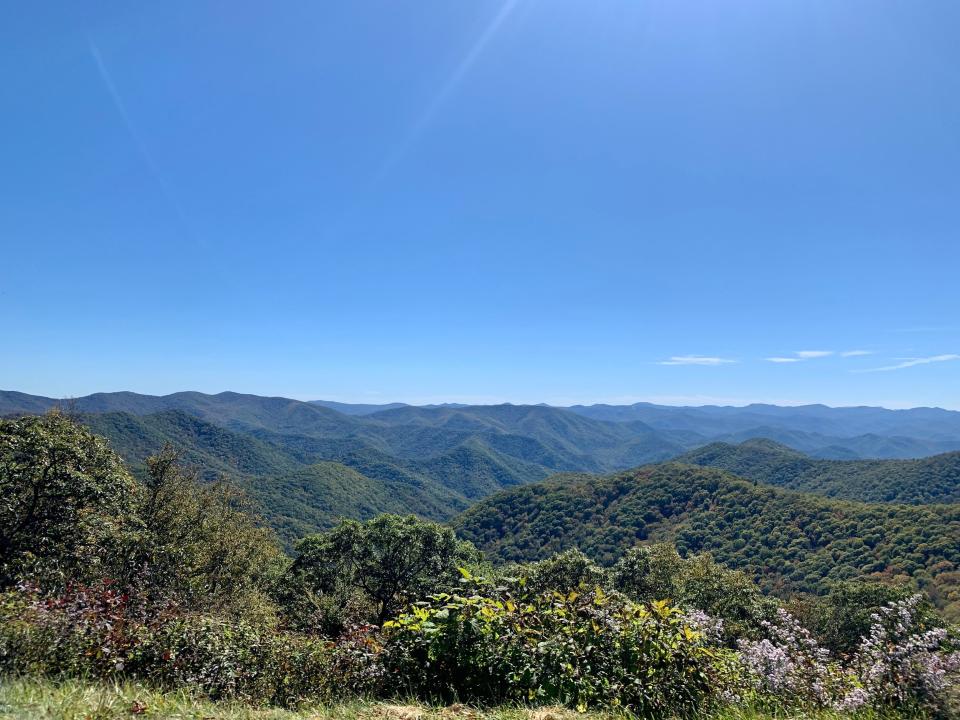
[(597, 438), (303, 484), (926, 480), (788, 541), (436, 460), (297, 494)]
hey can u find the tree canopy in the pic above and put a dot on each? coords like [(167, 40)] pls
[(65, 499)]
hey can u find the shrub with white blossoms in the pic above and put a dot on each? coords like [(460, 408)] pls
[(901, 663), (788, 666), (709, 627)]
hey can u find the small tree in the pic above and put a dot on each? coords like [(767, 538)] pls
[(563, 572), (846, 615), (200, 543), (389, 561), (657, 572), (65, 501), (648, 572)]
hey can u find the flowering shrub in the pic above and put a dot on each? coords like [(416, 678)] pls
[(581, 649), (789, 667), (710, 628), (902, 664)]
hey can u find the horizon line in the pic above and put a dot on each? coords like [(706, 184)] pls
[(493, 402)]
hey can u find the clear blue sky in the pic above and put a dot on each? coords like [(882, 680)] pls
[(479, 200)]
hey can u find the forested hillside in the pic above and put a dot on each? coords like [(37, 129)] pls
[(302, 484), (302, 461), (597, 438), (787, 541), (925, 480), (176, 583)]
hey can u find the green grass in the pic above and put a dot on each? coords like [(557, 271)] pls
[(35, 699)]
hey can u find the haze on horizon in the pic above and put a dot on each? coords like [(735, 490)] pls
[(488, 201)]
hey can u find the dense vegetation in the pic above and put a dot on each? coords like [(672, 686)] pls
[(787, 542), (302, 484), (306, 465), (926, 480), (175, 583)]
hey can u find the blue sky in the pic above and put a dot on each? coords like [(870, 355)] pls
[(483, 200)]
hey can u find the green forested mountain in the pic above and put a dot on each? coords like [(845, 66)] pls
[(787, 541), (229, 409), (296, 494), (926, 480), (315, 497), (303, 484), (582, 443), (435, 461), (597, 438), (213, 449)]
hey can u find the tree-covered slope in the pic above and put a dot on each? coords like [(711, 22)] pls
[(303, 484), (583, 443), (926, 480), (787, 541), (297, 494), (315, 497), (214, 450)]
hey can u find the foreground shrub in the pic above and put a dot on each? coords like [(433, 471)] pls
[(842, 618), (789, 668), (201, 543), (584, 650), (900, 666), (904, 664), (98, 632), (649, 572), (360, 572)]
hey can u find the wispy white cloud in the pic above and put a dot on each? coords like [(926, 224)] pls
[(911, 362), (696, 360), (800, 356), (855, 353)]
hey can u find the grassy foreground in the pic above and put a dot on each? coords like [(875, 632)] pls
[(23, 699), (72, 700)]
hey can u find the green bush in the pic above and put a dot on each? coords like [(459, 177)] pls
[(566, 571), (66, 502), (100, 633), (362, 572), (589, 649), (697, 582)]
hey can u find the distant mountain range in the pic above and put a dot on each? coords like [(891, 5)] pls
[(818, 430), (308, 463)]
